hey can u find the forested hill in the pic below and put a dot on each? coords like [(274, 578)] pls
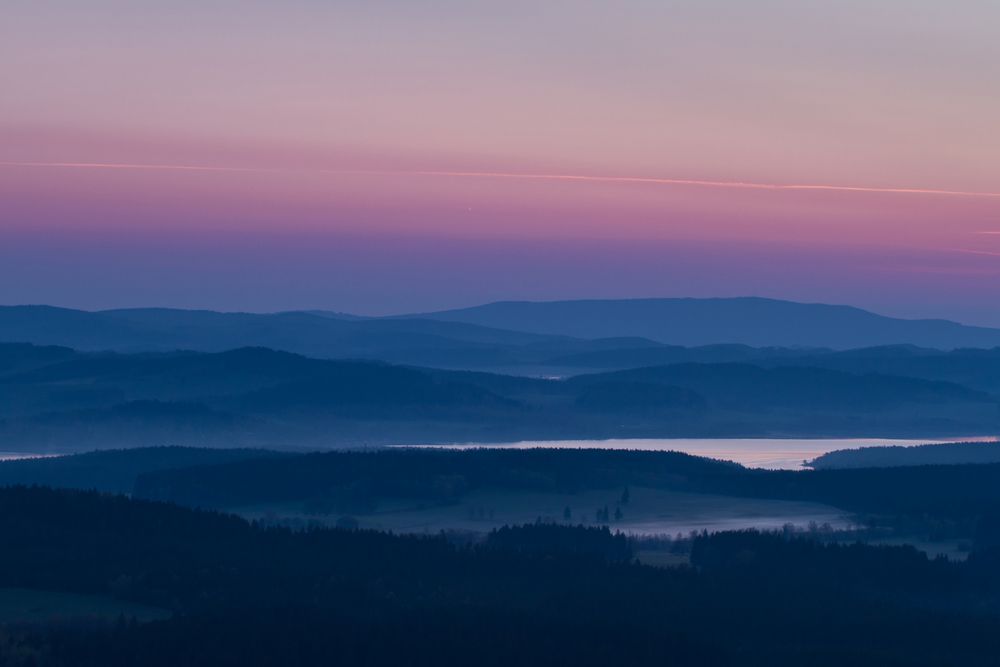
[(240, 593), (116, 470), (555, 338), (748, 320), (347, 480), (57, 400), (953, 453)]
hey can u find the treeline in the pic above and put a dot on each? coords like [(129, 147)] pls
[(777, 560), (947, 497), (538, 595), (356, 481), (440, 475), (559, 540), (115, 470), (952, 453)]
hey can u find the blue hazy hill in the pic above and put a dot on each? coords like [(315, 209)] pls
[(750, 321)]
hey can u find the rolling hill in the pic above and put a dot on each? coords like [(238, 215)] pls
[(748, 321), (411, 341), (59, 400), (537, 339)]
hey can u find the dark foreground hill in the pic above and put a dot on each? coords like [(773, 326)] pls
[(241, 594), (956, 453), (228, 479), (115, 471), (341, 480)]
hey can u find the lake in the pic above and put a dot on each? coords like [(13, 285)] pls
[(772, 453)]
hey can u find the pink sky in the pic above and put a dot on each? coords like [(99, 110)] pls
[(375, 158)]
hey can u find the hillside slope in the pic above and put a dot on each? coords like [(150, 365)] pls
[(748, 320)]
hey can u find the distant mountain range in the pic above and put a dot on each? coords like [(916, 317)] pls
[(545, 339), (749, 321), (56, 399), (326, 334)]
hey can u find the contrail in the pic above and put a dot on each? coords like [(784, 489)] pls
[(680, 182), (121, 165), (708, 184), (970, 251)]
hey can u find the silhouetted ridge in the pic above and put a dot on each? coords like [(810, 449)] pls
[(115, 470), (932, 454), (747, 320), (245, 594)]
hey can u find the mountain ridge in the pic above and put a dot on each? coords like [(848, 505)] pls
[(754, 321), (541, 338), (256, 397)]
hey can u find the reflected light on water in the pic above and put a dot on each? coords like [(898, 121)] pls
[(770, 453)]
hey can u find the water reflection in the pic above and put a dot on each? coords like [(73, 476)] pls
[(771, 453)]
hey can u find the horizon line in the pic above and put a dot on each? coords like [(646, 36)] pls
[(478, 304)]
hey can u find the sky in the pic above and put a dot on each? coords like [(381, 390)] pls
[(386, 156)]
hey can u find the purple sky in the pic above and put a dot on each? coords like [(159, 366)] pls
[(390, 156)]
